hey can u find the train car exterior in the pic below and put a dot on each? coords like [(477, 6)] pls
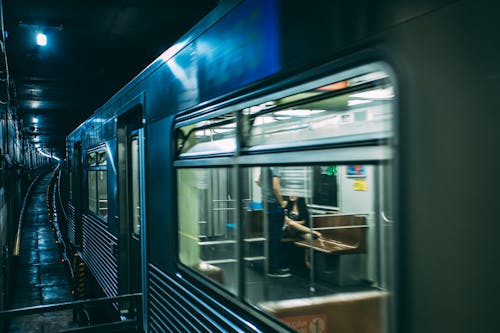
[(372, 113)]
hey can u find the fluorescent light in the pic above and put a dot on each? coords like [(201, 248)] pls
[(381, 93), (352, 102), (297, 112), (34, 120), (265, 119), (35, 104), (41, 39)]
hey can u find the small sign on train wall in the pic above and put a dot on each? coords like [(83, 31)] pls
[(360, 185), (315, 323)]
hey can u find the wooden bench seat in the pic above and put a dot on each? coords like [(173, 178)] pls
[(341, 233), (327, 246)]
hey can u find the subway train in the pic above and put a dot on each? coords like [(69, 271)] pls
[(291, 166)]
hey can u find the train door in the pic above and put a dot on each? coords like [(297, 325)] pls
[(135, 150), (130, 192), (76, 195)]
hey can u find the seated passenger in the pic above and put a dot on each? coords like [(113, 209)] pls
[(296, 219)]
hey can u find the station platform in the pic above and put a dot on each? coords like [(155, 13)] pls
[(40, 274)]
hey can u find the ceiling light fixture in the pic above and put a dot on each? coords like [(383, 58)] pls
[(41, 39)]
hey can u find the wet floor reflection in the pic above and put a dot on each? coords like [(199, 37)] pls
[(40, 278)]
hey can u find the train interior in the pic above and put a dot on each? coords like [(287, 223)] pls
[(341, 202)]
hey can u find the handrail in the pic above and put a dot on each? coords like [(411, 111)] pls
[(67, 305), (385, 218), (17, 242)]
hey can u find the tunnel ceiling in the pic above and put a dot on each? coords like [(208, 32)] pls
[(94, 47)]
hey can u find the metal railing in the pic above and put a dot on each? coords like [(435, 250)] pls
[(135, 299)]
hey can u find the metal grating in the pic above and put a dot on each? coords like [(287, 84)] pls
[(174, 307), (98, 244), (71, 222), (74, 225)]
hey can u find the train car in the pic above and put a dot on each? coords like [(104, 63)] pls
[(186, 184)]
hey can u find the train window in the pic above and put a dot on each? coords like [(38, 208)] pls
[(102, 193), (92, 191), (207, 223), (101, 157), (320, 241), (91, 159), (97, 183), (333, 113), (208, 137), (304, 210), (135, 179)]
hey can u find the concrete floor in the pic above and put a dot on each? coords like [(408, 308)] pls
[(41, 277)]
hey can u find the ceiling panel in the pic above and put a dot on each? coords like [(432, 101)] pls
[(77, 71)]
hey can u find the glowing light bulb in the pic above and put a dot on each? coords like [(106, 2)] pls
[(41, 39)]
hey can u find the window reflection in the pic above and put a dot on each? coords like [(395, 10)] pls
[(214, 136), (325, 113)]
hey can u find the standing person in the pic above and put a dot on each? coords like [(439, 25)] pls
[(274, 204)]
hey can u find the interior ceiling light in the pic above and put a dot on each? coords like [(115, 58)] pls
[(381, 93), (34, 120), (334, 86), (352, 102), (297, 112), (41, 39)]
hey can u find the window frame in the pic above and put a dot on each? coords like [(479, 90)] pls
[(96, 164), (376, 151)]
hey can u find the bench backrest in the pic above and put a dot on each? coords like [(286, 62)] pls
[(350, 236)]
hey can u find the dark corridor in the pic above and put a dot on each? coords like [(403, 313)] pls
[(41, 276)]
